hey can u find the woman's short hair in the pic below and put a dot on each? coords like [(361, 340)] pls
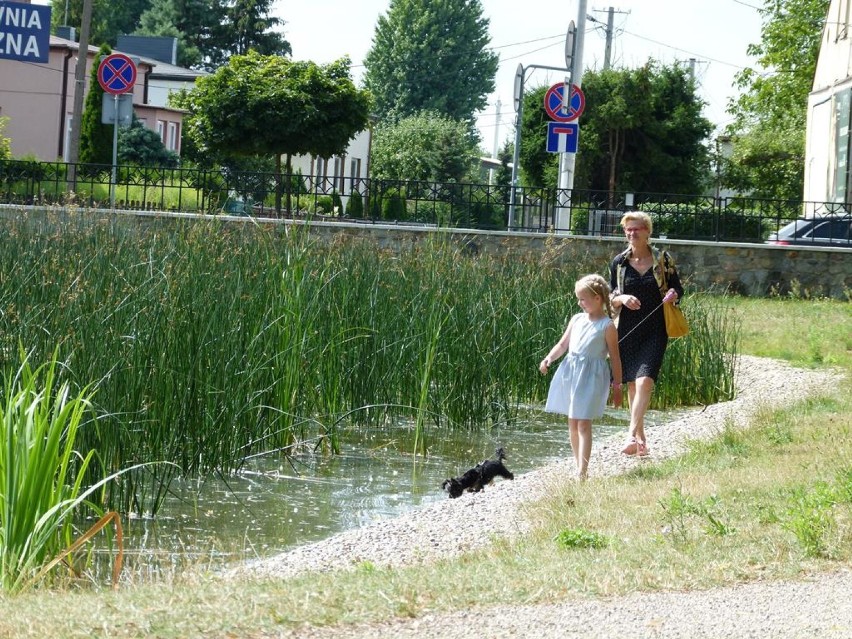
[(638, 216)]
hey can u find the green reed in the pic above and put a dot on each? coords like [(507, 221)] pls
[(210, 344), (40, 469), (699, 368)]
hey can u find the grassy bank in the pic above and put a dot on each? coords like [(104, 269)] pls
[(773, 501)]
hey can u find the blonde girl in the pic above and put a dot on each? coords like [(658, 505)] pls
[(580, 387)]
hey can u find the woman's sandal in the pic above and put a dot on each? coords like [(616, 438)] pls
[(631, 448), (642, 449)]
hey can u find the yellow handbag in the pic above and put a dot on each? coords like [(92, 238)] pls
[(676, 325)]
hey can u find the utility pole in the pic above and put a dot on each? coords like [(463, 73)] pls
[(692, 62), (496, 141), (79, 90), (608, 49), (610, 34)]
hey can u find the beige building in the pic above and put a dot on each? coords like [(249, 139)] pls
[(38, 99)]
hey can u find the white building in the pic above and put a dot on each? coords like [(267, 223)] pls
[(827, 174)]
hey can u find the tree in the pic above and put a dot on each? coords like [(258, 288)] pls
[(5, 143), (249, 27), (109, 19), (95, 137), (272, 106), (431, 55), (195, 24), (209, 33), (768, 130), (642, 130), (426, 146), (140, 146)]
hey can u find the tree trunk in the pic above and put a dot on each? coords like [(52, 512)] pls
[(616, 143)]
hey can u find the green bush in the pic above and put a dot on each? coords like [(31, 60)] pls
[(393, 205), (324, 205), (355, 207)]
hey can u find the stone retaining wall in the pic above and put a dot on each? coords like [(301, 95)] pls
[(747, 269)]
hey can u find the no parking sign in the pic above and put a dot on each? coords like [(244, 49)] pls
[(117, 74), (561, 110)]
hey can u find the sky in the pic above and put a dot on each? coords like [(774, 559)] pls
[(715, 33)]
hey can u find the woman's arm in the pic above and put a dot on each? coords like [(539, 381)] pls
[(616, 299), (673, 277)]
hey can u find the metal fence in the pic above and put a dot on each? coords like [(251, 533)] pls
[(462, 205)]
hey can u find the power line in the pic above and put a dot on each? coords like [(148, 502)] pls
[(692, 53), (750, 6)]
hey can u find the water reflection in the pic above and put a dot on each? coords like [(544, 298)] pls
[(275, 505)]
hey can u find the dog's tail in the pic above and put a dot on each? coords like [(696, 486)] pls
[(500, 454)]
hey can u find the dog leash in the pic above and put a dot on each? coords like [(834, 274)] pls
[(639, 323)]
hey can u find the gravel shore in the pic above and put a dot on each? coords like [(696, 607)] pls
[(819, 607)]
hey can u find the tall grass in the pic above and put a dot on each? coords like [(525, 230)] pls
[(210, 344)]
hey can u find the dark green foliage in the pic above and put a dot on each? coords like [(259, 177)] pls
[(324, 205), (336, 203), (109, 19), (431, 56), (393, 205), (268, 105), (642, 130), (250, 27), (533, 155), (192, 22), (209, 33), (95, 137), (355, 207), (139, 145)]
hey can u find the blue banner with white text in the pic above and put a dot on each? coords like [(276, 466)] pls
[(24, 31)]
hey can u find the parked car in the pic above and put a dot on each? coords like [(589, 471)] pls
[(834, 230)]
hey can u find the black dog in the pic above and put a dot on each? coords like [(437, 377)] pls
[(478, 477)]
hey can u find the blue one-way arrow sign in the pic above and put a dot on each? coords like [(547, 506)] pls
[(562, 137)]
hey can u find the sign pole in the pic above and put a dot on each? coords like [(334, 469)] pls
[(566, 174), (114, 177), (116, 75)]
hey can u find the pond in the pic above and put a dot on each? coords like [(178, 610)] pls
[(276, 505)]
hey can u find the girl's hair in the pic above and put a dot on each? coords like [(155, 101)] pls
[(638, 216), (598, 286)]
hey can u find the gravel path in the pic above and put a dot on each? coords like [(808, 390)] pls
[(819, 607)]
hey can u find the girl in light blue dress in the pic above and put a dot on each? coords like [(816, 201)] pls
[(580, 386)]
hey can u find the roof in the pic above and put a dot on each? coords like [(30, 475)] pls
[(161, 70)]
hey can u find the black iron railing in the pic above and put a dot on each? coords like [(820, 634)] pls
[(462, 205)]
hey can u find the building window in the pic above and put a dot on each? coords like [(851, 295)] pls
[(161, 130), (338, 174), (355, 174), (172, 144), (841, 148)]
